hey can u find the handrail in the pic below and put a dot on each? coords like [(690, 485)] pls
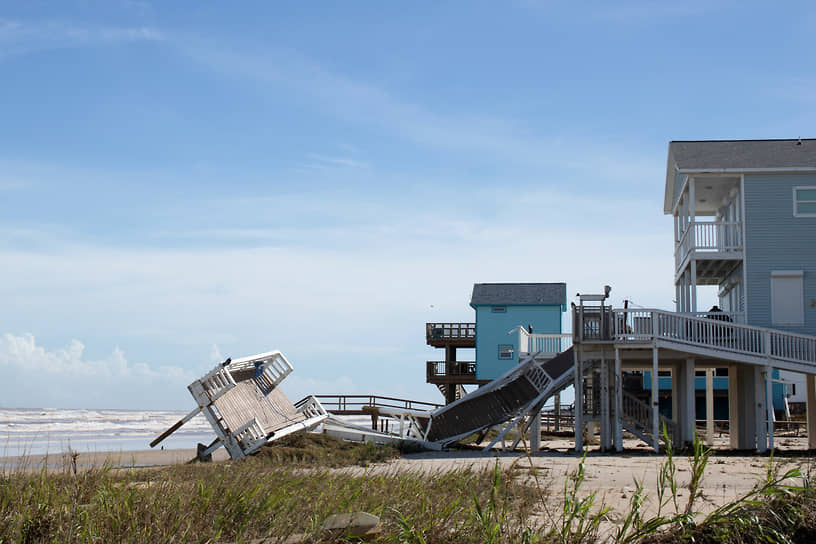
[(333, 403), (536, 342), (708, 236), (715, 331)]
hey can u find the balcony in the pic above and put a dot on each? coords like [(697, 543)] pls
[(460, 335), (438, 372), (717, 246)]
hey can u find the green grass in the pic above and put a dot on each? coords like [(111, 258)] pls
[(283, 491)]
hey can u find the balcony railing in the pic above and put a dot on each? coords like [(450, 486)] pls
[(450, 332), (709, 236), (439, 369), (541, 343)]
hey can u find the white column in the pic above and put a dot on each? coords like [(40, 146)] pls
[(769, 404), (688, 412), (618, 402), (655, 404), (709, 396), (733, 407), (693, 284), (810, 384), (535, 432)]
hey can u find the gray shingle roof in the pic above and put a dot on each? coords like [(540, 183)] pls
[(742, 154), (737, 156), (519, 293)]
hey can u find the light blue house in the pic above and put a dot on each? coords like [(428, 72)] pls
[(745, 221), (501, 307)]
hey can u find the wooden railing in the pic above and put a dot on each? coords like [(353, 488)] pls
[(436, 369), (714, 331), (356, 403), (450, 331), (709, 236)]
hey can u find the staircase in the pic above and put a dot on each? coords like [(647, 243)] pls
[(636, 417), (520, 392), (460, 390)]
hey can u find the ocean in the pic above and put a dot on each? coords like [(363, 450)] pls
[(31, 431)]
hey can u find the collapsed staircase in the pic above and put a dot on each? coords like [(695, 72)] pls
[(519, 393)]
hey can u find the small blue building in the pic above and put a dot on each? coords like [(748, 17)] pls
[(501, 307)]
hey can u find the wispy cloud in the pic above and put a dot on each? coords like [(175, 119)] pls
[(501, 138), (324, 161), (22, 37)]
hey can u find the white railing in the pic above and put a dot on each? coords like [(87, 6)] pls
[(546, 343), (723, 236), (716, 331)]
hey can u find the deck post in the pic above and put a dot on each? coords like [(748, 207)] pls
[(655, 403), (733, 408), (675, 392), (535, 432), (557, 411), (709, 397), (579, 400), (686, 402), (760, 411), (618, 402), (769, 405), (605, 434), (810, 385)]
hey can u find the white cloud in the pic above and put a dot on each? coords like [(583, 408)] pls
[(39, 377)]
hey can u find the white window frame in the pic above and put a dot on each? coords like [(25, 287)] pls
[(787, 274), (796, 201), (506, 354)]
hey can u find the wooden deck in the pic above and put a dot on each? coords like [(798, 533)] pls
[(245, 401)]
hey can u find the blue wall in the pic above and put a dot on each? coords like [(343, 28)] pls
[(491, 332), (776, 240)]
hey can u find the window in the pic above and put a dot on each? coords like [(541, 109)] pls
[(499, 309), (787, 298), (804, 201), (505, 351)]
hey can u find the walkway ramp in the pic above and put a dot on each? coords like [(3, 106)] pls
[(520, 392), (715, 336), (245, 406)]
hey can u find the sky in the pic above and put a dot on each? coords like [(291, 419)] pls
[(184, 182)]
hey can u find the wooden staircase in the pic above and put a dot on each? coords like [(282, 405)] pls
[(459, 390), (636, 417)]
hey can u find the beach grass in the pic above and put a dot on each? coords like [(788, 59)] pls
[(278, 494)]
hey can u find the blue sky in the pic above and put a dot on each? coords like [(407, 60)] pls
[(181, 183)]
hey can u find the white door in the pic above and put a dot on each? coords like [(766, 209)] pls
[(787, 298)]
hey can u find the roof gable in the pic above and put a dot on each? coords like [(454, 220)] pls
[(737, 156), (537, 294)]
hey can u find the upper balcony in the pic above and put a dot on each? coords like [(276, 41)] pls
[(460, 335), (717, 246)]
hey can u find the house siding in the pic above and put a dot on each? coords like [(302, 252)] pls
[(776, 240), (492, 328)]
